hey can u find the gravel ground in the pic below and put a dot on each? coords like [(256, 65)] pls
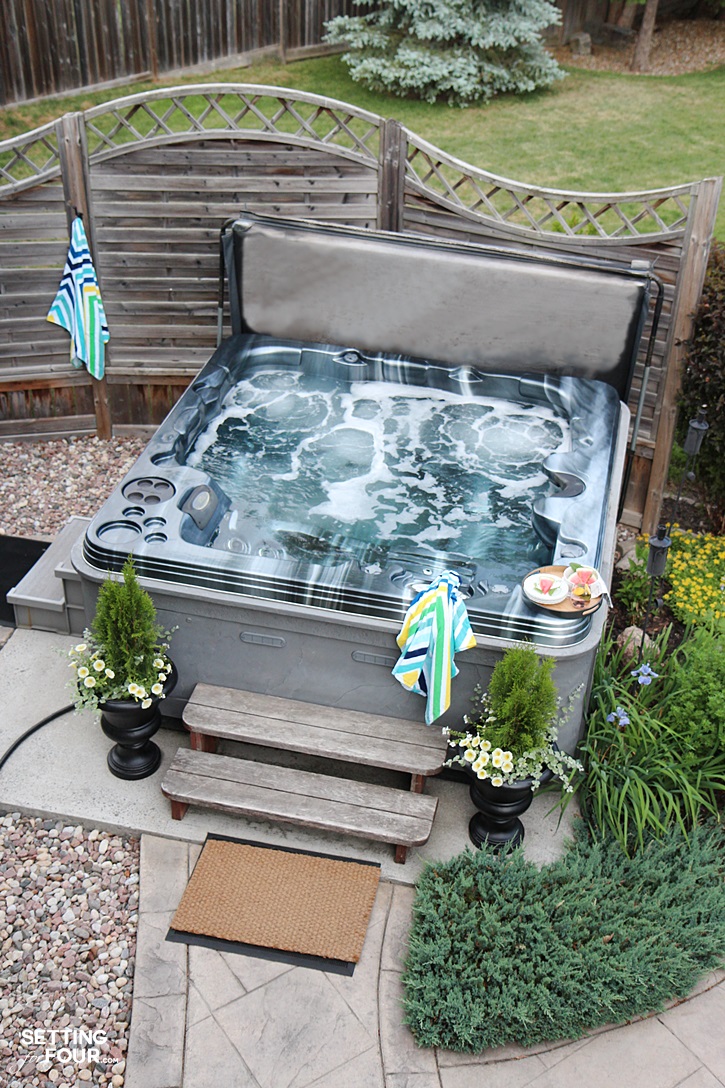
[(68, 895), (691, 45), (44, 483), (68, 903)]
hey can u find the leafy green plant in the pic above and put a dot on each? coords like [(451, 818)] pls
[(460, 51), (122, 655), (511, 735), (697, 714), (503, 952), (634, 588), (642, 773)]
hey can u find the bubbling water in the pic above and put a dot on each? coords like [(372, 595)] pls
[(384, 464)]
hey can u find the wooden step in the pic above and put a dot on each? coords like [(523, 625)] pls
[(353, 736), (263, 791)]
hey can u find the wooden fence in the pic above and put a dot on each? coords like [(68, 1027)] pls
[(54, 46), (157, 174)]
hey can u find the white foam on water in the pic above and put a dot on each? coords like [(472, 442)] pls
[(379, 459)]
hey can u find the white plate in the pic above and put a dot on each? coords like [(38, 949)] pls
[(559, 590)]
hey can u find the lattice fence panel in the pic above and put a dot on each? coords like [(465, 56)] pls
[(226, 109), (614, 217)]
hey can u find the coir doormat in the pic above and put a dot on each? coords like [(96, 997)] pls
[(296, 906)]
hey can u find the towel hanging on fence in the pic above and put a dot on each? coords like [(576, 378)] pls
[(435, 629), (78, 307)]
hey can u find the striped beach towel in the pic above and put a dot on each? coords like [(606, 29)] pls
[(435, 629), (78, 307)]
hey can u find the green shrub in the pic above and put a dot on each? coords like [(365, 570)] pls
[(522, 697), (697, 714), (501, 952), (461, 51), (511, 733), (703, 380), (125, 626)]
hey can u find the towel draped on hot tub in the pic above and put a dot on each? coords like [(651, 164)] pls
[(435, 629)]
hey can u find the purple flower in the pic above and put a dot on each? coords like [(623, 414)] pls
[(620, 715), (645, 674)]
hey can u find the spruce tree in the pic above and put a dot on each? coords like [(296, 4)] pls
[(460, 51)]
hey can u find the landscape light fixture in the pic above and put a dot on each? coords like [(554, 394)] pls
[(696, 430), (659, 546)]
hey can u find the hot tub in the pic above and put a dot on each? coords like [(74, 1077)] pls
[(303, 490), (326, 477)]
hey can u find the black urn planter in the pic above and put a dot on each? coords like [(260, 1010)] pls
[(499, 808), (131, 726)]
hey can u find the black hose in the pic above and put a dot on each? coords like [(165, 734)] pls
[(33, 729)]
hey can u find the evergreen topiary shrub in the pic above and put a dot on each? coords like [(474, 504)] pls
[(703, 380), (460, 51), (501, 952)]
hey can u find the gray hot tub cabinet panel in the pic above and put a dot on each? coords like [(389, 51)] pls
[(332, 659)]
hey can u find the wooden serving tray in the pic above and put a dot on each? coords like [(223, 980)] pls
[(567, 607)]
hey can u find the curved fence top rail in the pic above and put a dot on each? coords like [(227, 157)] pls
[(223, 110), (651, 214), (29, 158)]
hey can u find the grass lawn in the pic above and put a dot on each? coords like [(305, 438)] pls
[(593, 131)]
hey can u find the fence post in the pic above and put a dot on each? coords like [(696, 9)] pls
[(696, 249), (391, 174), (283, 30), (73, 153), (153, 49)]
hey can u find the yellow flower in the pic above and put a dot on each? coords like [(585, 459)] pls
[(496, 780), (83, 672), (99, 665), (90, 681)]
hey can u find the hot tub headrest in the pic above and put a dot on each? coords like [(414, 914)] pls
[(504, 310)]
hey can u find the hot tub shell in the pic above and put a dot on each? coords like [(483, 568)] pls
[(276, 625)]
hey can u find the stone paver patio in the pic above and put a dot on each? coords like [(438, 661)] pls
[(202, 1017)]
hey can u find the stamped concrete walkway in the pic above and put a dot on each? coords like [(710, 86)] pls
[(203, 1018)]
